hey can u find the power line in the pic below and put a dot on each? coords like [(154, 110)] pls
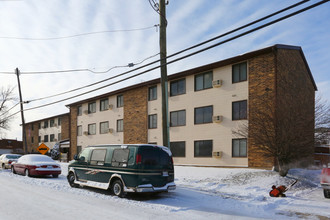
[(79, 35), (191, 54), (129, 65), (177, 53)]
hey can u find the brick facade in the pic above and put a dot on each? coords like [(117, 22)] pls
[(65, 127), (136, 116), (32, 133), (280, 84), (73, 131)]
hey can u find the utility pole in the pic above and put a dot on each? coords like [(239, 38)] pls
[(163, 72), (22, 113)]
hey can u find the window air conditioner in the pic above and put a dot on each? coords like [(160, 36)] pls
[(110, 107), (85, 132), (217, 119), (110, 130), (217, 154), (217, 83), (86, 112)]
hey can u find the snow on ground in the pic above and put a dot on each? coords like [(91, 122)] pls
[(202, 193)]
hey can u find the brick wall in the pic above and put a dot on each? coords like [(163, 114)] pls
[(73, 131), (65, 127), (294, 86), (136, 116), (261, 99), (32, 147)]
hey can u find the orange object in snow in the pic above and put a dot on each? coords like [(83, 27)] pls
[(279, 191)]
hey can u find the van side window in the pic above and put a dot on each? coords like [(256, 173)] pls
[(98, 157), (131, 156), (83, 156), (120, 157)]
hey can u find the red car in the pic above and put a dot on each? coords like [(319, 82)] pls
[(325, 181), (36, 165)]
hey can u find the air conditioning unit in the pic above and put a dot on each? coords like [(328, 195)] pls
[(110, 107), (55, 125), (86, 112), (85, 132), (217, 119), (217, 83), (217, 154), (55, 140), (42, 140), (110, 130)]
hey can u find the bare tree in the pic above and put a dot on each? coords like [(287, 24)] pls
[(322, 120), (280, 129), (6, 96)]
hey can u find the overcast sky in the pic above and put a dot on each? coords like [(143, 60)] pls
[(28, 26)]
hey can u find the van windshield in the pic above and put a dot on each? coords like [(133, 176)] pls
[(153, 156)]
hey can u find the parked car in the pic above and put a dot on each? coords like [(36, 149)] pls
[(123, 168), (325, 181), (36, 165), (7, 159)]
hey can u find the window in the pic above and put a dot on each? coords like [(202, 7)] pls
[(59, 136), (51, 122), (59, 121), (120, 125), (45, 138), (152, 93), (39, 125), (120, 101), (52, 137), (239, 72), (45, 124), (83, 155), (32, 140), (203, 148), (203, 81), (178, 87), (203, 115), (79, 130), (239, 110), (91, 129), (104, 127), (178, 149), (32, 127), (79, 110), (178, 118), (39, 139), (152, 121), (104, 104), (239, 148), (98, 157), (91, 107), (120, 157)]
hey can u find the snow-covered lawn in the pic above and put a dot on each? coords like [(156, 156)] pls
[(202, 193)]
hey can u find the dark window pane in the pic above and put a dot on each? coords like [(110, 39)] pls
[(239, 72), (203, 148), (208, 78), (239, 148), (199, 82), (178, 149)]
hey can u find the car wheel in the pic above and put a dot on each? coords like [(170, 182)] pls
[(3, 166), (55, 175), (71, 179), (13, 170), (326, 193), (117, 188), (26, 172)]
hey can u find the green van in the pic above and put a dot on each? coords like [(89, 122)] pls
[(123, 168)]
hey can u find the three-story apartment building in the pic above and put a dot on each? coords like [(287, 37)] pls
[(48, 131), (206, 104)]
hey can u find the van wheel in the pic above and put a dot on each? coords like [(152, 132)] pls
[(326, 193), (13, 170), (71, 179), (117, 188)]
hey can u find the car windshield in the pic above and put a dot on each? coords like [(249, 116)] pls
[(13, 156)]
